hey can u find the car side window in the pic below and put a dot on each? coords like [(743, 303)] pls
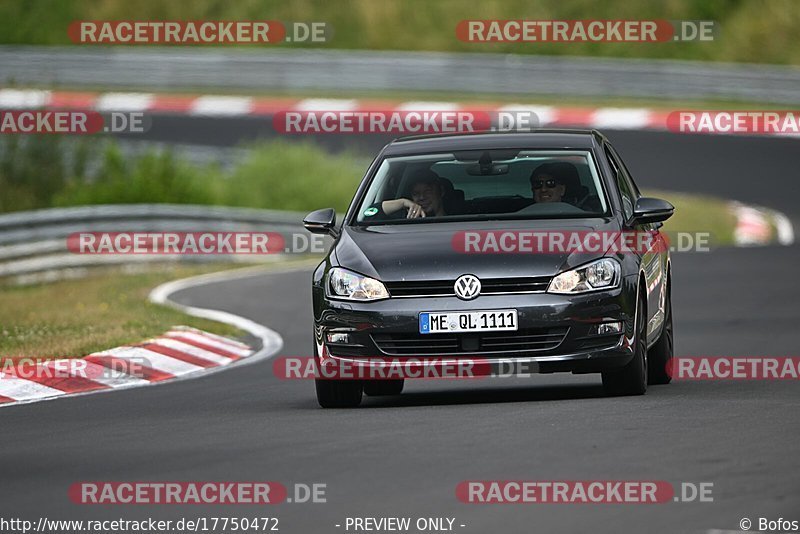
[(622, 184), (625, 173)]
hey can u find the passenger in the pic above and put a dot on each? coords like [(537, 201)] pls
[(549, 181), (427, 193)]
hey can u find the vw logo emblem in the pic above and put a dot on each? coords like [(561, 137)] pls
[(467, 287)]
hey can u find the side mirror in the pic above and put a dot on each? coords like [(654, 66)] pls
[(321, 222), (651, 210)]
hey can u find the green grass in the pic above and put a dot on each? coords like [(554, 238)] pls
[(699, 213), (72, 318), (757, 31)]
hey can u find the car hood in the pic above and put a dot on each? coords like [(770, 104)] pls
[(426, 251)]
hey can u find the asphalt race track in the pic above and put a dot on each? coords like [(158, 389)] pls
[(404, 456)]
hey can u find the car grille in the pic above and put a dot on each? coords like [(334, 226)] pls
[(489, 286), (520, 343)]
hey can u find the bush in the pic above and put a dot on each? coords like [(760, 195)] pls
[(291, 176), (32, 171), (45, 171), (152, 177)]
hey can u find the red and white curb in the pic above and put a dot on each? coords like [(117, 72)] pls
[(181, 353), (754, 226), (236, 106), (614, 118)]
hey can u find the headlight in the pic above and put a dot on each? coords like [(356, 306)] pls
[(346, 284), (600, 274)]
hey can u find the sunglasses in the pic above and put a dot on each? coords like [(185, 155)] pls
[(537, 184)]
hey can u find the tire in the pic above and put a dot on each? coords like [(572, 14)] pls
[(632, 379), (379, 388), (660, 355), (338, 393)]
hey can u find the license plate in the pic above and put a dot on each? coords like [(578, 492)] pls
[(477, 321)]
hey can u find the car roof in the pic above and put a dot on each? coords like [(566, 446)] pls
[(551, 138)]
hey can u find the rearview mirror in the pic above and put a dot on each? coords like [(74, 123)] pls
[(321, 222), (651, 210), (492, 169)]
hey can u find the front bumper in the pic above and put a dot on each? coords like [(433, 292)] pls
[(370, 324)]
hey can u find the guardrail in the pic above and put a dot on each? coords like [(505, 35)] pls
[(159, 68), (35, 242)]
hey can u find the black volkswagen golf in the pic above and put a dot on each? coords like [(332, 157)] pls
[(512, 247)]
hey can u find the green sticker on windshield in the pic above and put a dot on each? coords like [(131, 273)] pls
[(369, 212)]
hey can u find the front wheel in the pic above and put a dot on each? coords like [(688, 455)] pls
[(338, 393), (660, 355), (632, 379)]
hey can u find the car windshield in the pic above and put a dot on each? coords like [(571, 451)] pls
[(484, 184)]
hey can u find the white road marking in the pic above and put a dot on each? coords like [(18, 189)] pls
[(155, 360), (624, 118), (124, 102), (221, 105), (22, 389), (327, 104), (544, 114), (210, 342), (222, 339), (24, 98), (784, 227), (428, 106), (113, 378), (192, 350)]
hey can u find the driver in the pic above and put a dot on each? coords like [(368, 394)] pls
[(426, 197), (549, 181)]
